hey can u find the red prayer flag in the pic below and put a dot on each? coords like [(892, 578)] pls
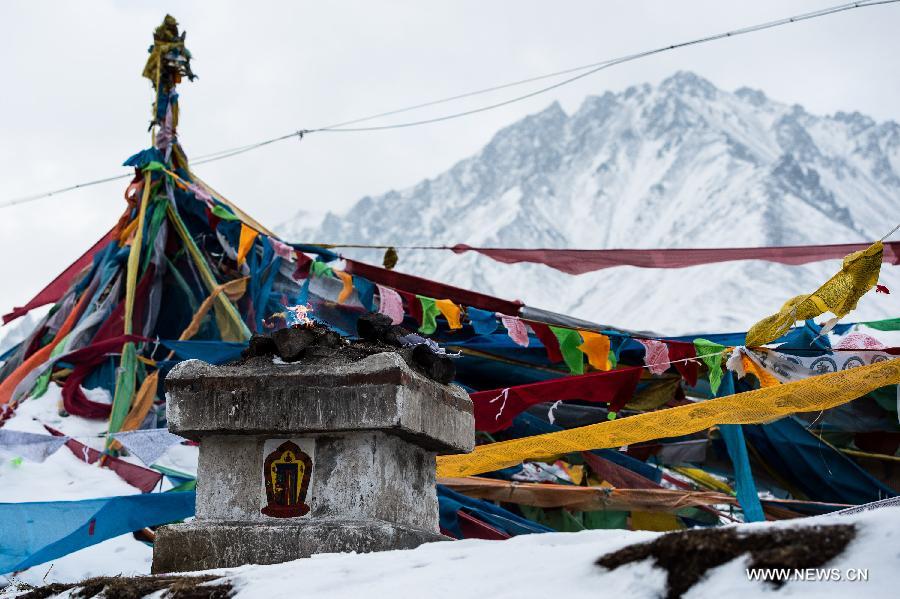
[(496, 409), (576, 262), (546, 336), (680, 351)]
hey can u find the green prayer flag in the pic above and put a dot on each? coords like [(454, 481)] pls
[(558, 519), (888, 324), (156, 216), (569, 340), (223, 213), (430, 312), (605, 519), (43, 382), (320, 269), (712, 356), (125, 384), (153, 165)]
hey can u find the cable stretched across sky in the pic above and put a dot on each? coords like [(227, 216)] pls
[(582, 72)]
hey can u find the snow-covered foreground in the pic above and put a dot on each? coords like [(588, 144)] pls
[(556, 564), (564, 564)]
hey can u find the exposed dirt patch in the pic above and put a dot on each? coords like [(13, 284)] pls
[(116, 587), (686, 556)]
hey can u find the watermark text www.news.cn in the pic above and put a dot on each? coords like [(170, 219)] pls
[(808, 574)]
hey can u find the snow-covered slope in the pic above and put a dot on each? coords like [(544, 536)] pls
[(683, 164)]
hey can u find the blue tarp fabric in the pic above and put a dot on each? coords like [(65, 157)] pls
[(34, 533), (214, 352), (817, 469), (451, 503)]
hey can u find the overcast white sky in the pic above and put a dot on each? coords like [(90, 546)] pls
[(74, 105)]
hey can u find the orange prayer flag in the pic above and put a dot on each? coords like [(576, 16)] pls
[(450, 311), (248, 236), (596, 347), (347, 289), (765, 378)]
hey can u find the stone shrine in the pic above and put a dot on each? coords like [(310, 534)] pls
[(333, 453)]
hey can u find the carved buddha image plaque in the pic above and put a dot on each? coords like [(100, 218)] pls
[(287, 477)]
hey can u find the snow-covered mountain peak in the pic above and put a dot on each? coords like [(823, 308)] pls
[(679, 164)]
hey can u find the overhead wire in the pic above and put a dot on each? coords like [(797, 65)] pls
[(590, 69), (616, 61)]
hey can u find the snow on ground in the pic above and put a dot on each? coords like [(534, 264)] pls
[(63, 477), (541, 565), (548, 565), (120, 555)]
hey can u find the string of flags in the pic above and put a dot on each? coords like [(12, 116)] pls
[(148, 445), (580, 349)]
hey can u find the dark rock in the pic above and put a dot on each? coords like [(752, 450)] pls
[(292, 342), (261, 345), (378, 328), (687, 556), (437, 367), (132, 587)]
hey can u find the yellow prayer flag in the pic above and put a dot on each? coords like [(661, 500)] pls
[(838, 295), (655, 521)]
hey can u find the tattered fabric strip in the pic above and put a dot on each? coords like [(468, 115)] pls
[(596, 347), (576, 262), (245, 244), (451, 312), (57, 288), (135, 475), (838, 295), (656, 355), (516, 330)]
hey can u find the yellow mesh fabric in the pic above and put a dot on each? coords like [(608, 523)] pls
[(761, 405), (838, 295)]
